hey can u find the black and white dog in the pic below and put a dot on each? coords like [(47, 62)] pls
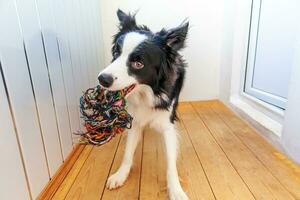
[(151, 62)]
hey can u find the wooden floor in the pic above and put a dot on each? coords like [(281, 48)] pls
[(221, 158)]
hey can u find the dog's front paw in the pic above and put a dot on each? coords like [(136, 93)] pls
[(177, 194), (116, 180)]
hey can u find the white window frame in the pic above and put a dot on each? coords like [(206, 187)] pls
[(272, 99), (263, 116)]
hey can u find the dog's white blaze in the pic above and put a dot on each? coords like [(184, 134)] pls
[(118, 68), (131, 41)]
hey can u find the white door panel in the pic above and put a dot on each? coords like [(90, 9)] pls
[(271, 49)]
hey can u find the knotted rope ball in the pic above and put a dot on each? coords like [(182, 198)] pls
[(104, 114)]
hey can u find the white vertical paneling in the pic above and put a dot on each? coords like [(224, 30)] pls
[(22, 100), (50, 51), (68, 44), (41, 81), (95, 14), (84, 39), (79, 30), (55, 74), (99, 39), (12, 172), (90, 40), (88, 12), (69, 27), (56, 46)]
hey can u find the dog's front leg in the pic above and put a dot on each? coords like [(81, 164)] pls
[(174, 188), (118, 178)]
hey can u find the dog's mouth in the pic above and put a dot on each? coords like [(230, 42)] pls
[(128, 89)]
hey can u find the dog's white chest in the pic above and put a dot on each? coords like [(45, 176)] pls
[(141, 107)]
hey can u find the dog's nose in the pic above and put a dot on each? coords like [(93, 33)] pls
[(106, 80)]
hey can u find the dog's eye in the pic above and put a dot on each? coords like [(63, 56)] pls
[(137, 65)]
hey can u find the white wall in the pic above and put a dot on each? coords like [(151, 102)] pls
[(291, 127), (227, 43), (49, 54), (204, 39)]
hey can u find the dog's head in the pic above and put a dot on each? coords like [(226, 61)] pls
[(140, 56)]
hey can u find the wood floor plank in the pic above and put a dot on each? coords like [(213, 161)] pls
[(224, 180), (91, 180), (153, 179), (192, 176), (220, 157), (287, 172), (130, 190), (64, 188), (261, 182)]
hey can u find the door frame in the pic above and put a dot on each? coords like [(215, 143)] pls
[(267, 97)]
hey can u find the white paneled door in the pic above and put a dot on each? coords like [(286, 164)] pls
[(49, 54), (272, 40)]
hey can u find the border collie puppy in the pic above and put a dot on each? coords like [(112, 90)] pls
[(151, 62)]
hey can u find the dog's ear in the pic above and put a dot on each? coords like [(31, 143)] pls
[(127, 21), (175, 37)]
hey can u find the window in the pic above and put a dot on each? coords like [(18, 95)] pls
[(272, 39)]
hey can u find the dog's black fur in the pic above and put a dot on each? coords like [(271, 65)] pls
[(164, 68)]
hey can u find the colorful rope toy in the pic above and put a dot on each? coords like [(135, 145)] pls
[(104, 114)]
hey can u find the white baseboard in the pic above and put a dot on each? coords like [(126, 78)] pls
[(266, 126)]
